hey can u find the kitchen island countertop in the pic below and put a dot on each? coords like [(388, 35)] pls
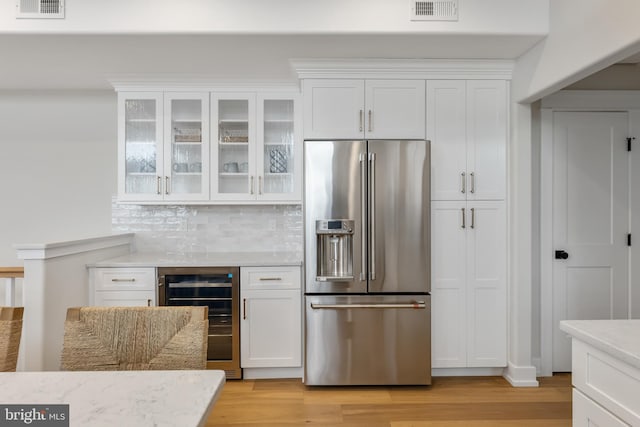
[(618, 338), (208, 259)]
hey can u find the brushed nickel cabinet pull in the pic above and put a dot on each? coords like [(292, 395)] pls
[(361, 117), (370, 121), (473, 183), (273, 279), (464, 182), (159, 185), (166, 185), (260, 184), (123, 280), (473, 217), (244, 308), (464, 225), (251, 186)]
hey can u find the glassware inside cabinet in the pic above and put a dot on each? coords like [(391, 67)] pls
[(233, 146), (140, 146), (186, 146), (278, 155)]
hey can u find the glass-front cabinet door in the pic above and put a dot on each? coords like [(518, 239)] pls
[(186, 147), (140, 148), (233, 146), (279, 173)]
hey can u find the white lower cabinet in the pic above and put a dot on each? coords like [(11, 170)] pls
[(271, 317), (469, 295), (120, 287), (606, 388)]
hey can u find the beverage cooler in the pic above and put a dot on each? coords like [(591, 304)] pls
[(217, 288)]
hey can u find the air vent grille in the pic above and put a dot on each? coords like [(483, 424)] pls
[(434, 10), (38, 9)]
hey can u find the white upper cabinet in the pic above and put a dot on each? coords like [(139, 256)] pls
[(140, 145), (256, 148), (163, 146), (467, 127), (186, 135), (357, 109)]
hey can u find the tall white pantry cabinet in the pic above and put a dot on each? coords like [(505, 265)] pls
[(467, 126)]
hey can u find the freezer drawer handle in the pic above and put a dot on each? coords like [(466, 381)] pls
[(414, 305)]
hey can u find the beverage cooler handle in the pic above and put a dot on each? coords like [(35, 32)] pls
[(372, 215), (363, 220)]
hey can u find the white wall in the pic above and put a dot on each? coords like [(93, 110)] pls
[(279, 17), (57, 167)]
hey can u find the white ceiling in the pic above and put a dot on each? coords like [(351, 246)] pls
[(43, 62)]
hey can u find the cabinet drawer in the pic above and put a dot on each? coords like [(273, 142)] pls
[(587, 413), (612, 383), (255, 278), (108, 279)]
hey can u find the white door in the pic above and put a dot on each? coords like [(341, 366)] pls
[(395, 109), (590, 221)]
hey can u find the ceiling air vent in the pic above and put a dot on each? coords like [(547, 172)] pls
[(40, 9), (434, 10)]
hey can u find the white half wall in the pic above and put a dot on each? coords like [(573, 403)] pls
[(57, 166), (585, 36)]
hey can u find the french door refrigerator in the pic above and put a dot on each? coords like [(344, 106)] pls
[(367, 262)]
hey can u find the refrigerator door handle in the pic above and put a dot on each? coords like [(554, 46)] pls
[(363, 220), (372, 216), (419, 305)]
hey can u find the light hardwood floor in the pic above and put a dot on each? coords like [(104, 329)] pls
[(449, 402)]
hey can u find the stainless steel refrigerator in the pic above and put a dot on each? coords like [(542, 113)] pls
[(367, 262)]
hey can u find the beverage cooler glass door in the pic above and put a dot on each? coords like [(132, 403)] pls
[(334, 193), (217, 289)]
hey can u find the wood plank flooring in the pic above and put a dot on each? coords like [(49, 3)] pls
[(448, 402)]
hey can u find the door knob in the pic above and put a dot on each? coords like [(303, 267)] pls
[(562, 255)]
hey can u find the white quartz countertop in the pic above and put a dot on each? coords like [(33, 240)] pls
[(619, 338), (209, 259), (119, 398)]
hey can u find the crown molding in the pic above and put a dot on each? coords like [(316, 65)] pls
[(195, 83), (403, 68)]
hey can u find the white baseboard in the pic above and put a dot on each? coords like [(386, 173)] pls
[(265, 373), (466, 372), (521, 376)]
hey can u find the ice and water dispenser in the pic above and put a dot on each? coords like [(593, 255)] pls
[(334, 250)]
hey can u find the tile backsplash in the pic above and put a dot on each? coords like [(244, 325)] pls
[(194, 228)]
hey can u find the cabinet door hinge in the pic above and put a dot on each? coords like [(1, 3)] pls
[(629, 239), (629, 142)]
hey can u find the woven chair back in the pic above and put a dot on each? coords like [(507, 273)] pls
[(10, 333), (135, 338)]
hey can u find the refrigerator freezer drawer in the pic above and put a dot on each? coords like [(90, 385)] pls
[(368, 340)]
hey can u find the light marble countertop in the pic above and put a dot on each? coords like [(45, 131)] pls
[(209, 259), (619, 338), (119, 398)]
